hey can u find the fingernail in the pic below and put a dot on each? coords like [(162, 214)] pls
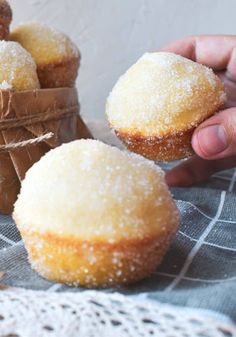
[(210, 140)]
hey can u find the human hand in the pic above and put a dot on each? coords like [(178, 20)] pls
[(214, 141)]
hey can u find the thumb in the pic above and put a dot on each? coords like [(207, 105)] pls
[(216, 137)]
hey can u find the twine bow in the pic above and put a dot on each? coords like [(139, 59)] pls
[(11, 123)]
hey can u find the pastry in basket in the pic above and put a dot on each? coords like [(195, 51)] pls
[(17, 67), (5, 19), (56, 56), (93, 215), (156, 105)]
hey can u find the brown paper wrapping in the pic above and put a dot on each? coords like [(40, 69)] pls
[(25, 116)]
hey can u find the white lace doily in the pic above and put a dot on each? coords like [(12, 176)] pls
[(32, 314)]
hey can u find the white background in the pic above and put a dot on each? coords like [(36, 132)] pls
[(112, 34)]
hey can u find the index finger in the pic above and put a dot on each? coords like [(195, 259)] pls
[(215, 51)]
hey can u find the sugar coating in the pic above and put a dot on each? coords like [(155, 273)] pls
[(17, 68), (90, 190), (162, 93), (44, 43)]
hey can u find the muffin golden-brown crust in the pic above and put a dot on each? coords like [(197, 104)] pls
[(177, 146), (161, 97), (5, 19), (56, 56), (58, 75), (93, 215), (95, 263)]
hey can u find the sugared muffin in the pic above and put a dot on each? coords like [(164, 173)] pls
[(17, 68), (156, 105), (56, 56), (93, 215)]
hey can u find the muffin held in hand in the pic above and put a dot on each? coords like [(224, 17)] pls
[(17, 68), (56, 56), (93, 215), (5, 19), (156, 105)]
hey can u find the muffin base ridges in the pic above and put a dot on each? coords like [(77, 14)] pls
[(170, 147), (95, 264)]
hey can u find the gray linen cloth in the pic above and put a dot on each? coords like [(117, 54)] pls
[(198, 271)]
